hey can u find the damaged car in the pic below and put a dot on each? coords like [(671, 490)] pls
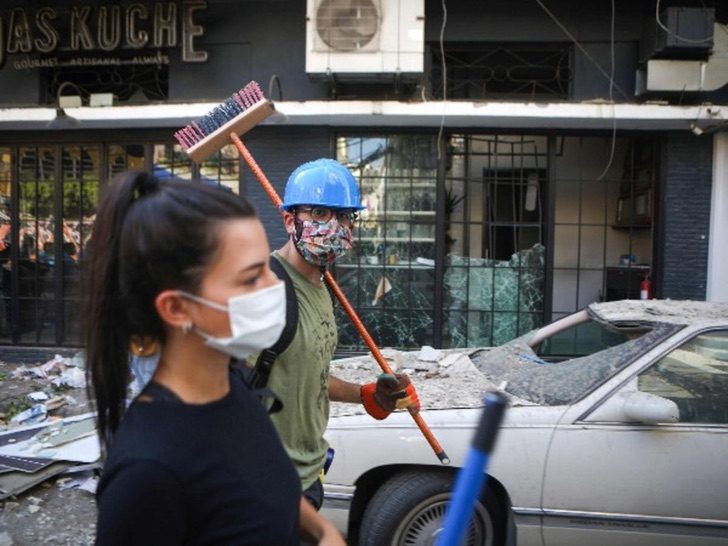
[(616, 433)]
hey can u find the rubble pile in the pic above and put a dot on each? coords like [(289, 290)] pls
[(34, 394), (443, 378), (49, 454)]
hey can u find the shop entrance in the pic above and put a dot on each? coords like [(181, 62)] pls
[(48, 199)]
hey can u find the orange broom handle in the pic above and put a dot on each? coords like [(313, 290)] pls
[(257, 171), (376, 353)]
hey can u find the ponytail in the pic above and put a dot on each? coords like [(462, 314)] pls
[(107, 337)]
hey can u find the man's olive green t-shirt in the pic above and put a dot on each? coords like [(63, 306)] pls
[(300, 377)]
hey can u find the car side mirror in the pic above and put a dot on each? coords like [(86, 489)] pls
[(650, 409), (639, 407)]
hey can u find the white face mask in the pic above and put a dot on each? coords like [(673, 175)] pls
[(256, 320)]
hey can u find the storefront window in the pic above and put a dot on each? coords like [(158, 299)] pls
[(389, 276), (6, 238), (36, 165), (495, 253), (512, 204), (222, 168), (171, 162), (602, 220), (58, 188), (122, 157), (81, 184)]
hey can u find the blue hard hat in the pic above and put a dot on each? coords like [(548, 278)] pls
[(324, 182)]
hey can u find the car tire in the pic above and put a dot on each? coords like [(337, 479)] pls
[(409, 508)]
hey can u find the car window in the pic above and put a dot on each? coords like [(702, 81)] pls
[(528, 376), (695, 377), (582, 340)]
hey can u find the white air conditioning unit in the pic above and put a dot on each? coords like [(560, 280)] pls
[(365, 36)]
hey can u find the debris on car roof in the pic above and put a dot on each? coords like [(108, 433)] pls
[(672, 311)]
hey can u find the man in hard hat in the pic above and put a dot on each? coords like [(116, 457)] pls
[(320, 205)]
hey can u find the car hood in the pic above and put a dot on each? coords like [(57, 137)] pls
[(516, 415)]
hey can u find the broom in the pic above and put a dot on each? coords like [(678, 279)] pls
[(237, 115)]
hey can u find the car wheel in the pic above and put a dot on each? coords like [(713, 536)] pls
[(409, 510)]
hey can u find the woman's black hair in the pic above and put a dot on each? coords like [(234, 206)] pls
[(149, 235)]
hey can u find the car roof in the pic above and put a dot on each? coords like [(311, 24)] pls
[(687, 312)]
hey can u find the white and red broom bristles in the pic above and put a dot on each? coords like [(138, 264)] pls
[(238, 114)]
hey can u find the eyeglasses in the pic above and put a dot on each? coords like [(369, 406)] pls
[(324, 214)]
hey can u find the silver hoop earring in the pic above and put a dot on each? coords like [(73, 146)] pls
[(187, 327)]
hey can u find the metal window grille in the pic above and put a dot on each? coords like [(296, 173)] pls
[(602, 228), (516, 71), (128, 83), (495, 264), (389, 275), (529, 233), (48, 197)]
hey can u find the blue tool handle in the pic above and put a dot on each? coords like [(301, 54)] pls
[(490, 420), (470, 481)]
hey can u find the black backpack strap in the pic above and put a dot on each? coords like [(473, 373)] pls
[(241, 371), (267, 357)]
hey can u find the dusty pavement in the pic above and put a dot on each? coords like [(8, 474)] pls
[(49, 514), (45, 513)]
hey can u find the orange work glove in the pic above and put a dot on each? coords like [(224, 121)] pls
[(390, 392)]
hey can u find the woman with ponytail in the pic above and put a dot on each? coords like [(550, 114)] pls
[(195, 458)]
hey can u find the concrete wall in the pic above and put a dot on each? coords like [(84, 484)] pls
[(505, 21)]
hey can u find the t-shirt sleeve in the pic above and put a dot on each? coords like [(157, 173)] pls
[(143, 503)]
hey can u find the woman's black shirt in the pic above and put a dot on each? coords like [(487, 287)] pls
[(198, 474)]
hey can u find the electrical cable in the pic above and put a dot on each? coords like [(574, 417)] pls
[(275, 79), (611, 96), (581, 47), (444, 79)]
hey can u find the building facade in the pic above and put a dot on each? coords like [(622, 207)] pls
[(517, 160)]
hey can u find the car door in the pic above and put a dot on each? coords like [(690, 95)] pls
[(610, 480)]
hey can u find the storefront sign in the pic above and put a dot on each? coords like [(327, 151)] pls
[(89, 34)]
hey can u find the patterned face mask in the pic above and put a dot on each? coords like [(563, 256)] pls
[(320, 243)]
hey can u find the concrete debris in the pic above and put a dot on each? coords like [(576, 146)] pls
[(53, 515), (70, 377), (462, 367), (38, 396), (74, 439), (34, 414), (58, 401), (668, 311), (59, 371), (408, 362), (33, 500), (429, 354), (41, 393), (5, 539), (448, 380), (450, 359), (85, 481)]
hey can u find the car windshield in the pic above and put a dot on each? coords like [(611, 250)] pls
[(569, 361)]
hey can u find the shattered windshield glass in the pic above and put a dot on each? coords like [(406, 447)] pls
[(594, 358)]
